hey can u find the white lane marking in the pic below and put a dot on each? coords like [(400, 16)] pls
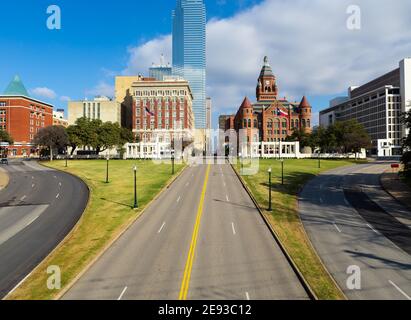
[(321, 200), (247, 296), (224, 184), (226, 196), (33, 185), (232, 225), (58, 195), (162, 227), (22, 198), (31, 221), (338, 229), (399, 289), (32, 178), (59, 184), (179, 198), (54, 177), (122, 293), (369, 226)]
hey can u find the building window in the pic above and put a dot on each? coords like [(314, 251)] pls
[(2, 104)]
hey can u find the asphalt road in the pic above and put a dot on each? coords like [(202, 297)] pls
[(37, 210), (351, 221), (233, 255)]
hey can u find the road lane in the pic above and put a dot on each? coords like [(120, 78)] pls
[(152, 264), (379, 259), (33, 222), (237, 255)]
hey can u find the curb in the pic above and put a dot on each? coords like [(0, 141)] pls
[(117, 237), (311, 294), (383, 186), (62, 242)]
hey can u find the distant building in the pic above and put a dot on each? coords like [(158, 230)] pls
[(161, 108), (160, 71), (189, 52), (59, 119), (378, 105), (22, 117), (209, 113), (102, 108), (272, 117)]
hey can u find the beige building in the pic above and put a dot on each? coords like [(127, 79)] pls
[(102, 108)]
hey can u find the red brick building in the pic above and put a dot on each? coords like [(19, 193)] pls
[(22, 117), (161, 108), (274, 118)]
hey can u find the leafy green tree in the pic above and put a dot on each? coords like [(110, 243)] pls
[(351, 136), (107, 136), (6, 137), (301, 136), (52, 137), (126, 136), (74, 136)]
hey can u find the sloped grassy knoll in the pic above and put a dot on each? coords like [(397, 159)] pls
[(108, 213), (285, 218)]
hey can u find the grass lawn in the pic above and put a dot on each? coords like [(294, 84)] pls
[(285, 218), (108, 213)]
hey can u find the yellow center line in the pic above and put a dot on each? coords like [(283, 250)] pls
[(191, 253)]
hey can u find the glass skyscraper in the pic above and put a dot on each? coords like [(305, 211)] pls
[(189, 52)]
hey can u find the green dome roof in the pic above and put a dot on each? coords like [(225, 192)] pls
[(16, 88)]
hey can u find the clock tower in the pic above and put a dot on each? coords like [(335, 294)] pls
[(266, 87)]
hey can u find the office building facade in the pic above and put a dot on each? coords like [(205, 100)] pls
[(189, 52), (101, 108), (379, 106)]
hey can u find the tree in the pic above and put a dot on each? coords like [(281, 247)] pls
[(74, 137), (6, 137), (52, 137), (324, 139), (126, 136), (351, 136), (107, 136), (406, 158), (301, 136)]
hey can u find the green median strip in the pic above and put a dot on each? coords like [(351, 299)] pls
[(108, 213), (285, 219)]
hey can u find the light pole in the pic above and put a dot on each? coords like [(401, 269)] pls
[(282, 172), (319, 160), (270, 208), (66, 157), (108, 159), (241, 162), (135, 188), (172, 162)]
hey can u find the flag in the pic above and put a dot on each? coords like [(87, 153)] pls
[(149, 112), (281, 113)]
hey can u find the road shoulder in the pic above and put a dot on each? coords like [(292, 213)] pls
[(393, 185), (4, 179)]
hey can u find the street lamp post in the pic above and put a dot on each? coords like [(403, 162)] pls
[(108, 159), (172, 162), (282, 172), (241, 162), (135, 188), (270, 208), (319, 160), (66, 157)]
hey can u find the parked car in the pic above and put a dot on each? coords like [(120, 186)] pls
[(4, 161)]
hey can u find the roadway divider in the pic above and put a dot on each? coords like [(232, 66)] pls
[(311, 294)]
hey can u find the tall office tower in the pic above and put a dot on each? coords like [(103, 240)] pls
[(189, 52)]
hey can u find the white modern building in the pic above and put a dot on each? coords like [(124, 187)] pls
[(379, 106)]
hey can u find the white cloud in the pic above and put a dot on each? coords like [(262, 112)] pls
[(309, 46), (101, 89), (44, 92), (65, 98)]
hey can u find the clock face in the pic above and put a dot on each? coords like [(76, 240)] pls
[(267, 82)]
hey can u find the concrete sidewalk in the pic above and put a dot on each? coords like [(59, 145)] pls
[(392, 184)]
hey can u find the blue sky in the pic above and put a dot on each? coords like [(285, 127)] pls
[(310, 49)]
